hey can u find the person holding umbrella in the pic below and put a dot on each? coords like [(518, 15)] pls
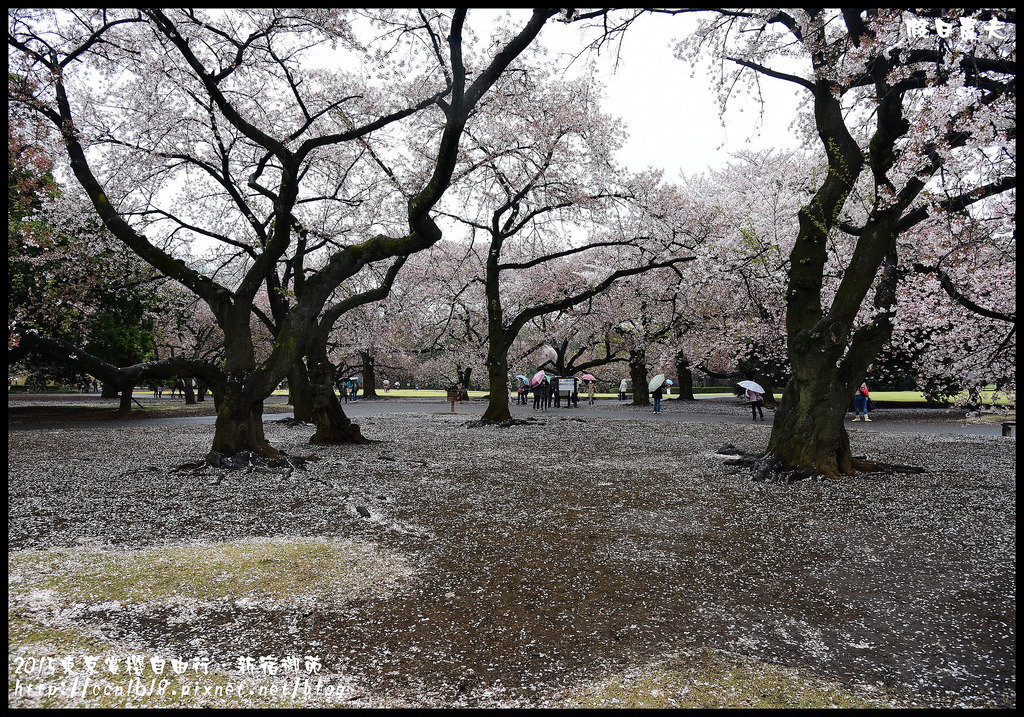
[(656, 387), (524, 389), (754, 394), (539, 386)]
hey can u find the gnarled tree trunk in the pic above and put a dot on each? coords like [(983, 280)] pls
[(808, 433), (239, 424), (333, 427), (188, 391), (462, 374)]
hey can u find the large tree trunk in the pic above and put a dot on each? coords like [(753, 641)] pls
[(638, 375), (685, 377), (239, 425), (125, 406), (497, 380), (333, 427), (187, 389), (809, 437), (828, 359)]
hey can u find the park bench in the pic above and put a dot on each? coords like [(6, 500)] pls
[(1009, 427)]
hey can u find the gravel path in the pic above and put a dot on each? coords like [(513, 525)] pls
[(522, 566)]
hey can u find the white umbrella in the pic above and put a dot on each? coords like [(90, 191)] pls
[(656, 381), (752, 386)]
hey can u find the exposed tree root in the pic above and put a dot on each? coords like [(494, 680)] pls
[(863, 465), (343, 433), (769, 468), (246, 461), (292, 422), (486, 422), (219, 468)]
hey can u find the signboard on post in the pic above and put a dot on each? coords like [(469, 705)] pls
[(453, 396), (566, 386)]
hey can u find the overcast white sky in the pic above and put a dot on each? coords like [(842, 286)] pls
[(672, 118)]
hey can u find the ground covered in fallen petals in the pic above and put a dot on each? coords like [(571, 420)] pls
[(541, 564)]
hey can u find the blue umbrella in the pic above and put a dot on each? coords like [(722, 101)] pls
[(523, 378)]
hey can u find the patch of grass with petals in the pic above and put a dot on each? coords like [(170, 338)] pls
[(717, 679), (274, 570)]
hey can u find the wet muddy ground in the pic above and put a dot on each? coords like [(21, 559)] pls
[(529, 562)]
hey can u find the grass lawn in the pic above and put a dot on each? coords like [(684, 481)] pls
[(899, 396), (902, 396)]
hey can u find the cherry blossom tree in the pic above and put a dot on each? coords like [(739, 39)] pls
[(557, 221), (223, 127), (956, 316), (912, 124)]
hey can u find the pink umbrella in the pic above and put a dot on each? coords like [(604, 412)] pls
[(537, 378), (588, 377)]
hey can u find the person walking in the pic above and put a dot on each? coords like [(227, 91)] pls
[(861, 403), (756, 401), (590, 392), (657, 398), (622, 390)]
